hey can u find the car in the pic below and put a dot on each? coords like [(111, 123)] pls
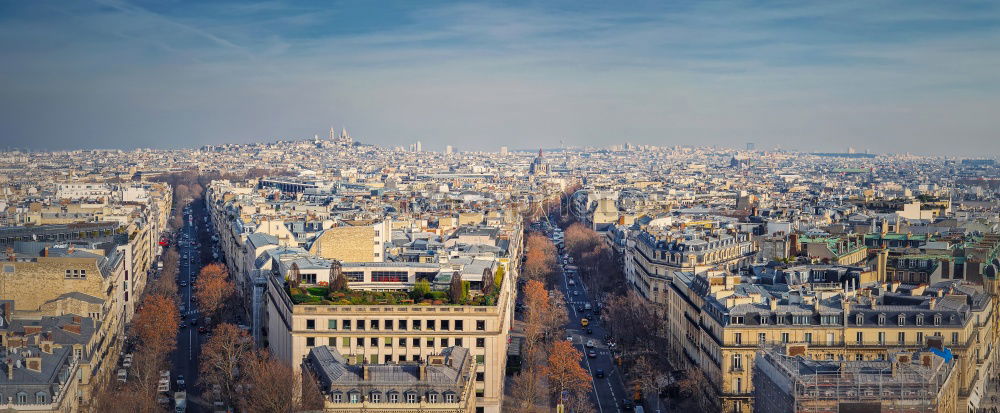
[(569, 339), (590, 344), (592, 354), (183, 325), (194, 320), (202, 329), (576, 293), (599, 373), (184, 283), (180, 381)]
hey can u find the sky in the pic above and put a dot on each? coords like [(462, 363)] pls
[(885, 76)]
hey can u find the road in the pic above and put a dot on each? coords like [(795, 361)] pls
[(607, 392), (185, 357)]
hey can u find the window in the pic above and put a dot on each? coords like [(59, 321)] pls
[(338, 398), (444, 342), (402, 342), (954, 338), (402, 358), (430, 342), (354, 276), (480, 376), (901, 337), (416, 324), (861, 337), (41, 398), (359, 324), (459, 325), (375, 396), (809, 338), (388, 324), (411, 397), (374, 341), (458, 342), (480, 342), (920, 319), (480, 325), (432, 397), (331, 341), (901, 320), (402, 324), (738, 384), (859, 357), (937, 319), (354, 398), (345, 341), (331, 324), (390, 276), (387, 341), (738, 338), (736, 319), (881, 337), (431, 325), (416, 357), (480, 359), (387, 359), (416, 342), (881, 319), (310, 341), (347, 324), (761, 338), (310, 324), (737, 362), (784, 337), (374, 324), (393, 397), (920, 339), (449, 398), (360, 342), (446, 324), (859, 319)]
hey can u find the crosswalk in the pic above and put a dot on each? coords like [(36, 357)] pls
[(190, 313)]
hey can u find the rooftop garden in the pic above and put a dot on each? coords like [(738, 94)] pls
[(338, 293)]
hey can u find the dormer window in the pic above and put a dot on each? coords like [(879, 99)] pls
[(736, 319), (920, 319), (901, 320), (937, 319), (859, 319), (881, 319)]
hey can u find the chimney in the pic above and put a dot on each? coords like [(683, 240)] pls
[(10, 369), (45, 252), (931, 303), (365, 375), (773, 303), (423, 372)]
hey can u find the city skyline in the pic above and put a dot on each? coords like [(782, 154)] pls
[(882, 76)]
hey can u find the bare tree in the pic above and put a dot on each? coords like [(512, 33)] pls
[(221, 358)]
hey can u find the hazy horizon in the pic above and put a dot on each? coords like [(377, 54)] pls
[(884, 76)]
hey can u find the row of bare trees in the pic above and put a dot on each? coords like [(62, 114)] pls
[(251, 379), (540, 259), (550, 365), (637, 325)]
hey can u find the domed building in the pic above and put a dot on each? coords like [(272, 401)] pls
[(539, 167)]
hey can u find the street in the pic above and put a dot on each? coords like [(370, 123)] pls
[(608, 392), (185, 357)]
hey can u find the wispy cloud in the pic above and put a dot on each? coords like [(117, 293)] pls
[(875, 74)]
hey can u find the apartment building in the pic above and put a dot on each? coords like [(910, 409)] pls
[(922, 381), (656, 254), (718, 323), (443, 383)]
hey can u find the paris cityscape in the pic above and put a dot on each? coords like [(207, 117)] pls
[(484, 208)]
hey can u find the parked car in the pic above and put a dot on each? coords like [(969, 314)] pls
[(599, 373), (590, 344), (592, 354)]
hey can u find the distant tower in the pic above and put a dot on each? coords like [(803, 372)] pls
[(448, 150), (503, 150), (539, 166), (333, 134), (418, 147)]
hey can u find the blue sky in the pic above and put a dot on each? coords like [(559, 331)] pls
[(889, 76)]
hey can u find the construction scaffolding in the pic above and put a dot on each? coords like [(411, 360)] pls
[(907, 383)]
